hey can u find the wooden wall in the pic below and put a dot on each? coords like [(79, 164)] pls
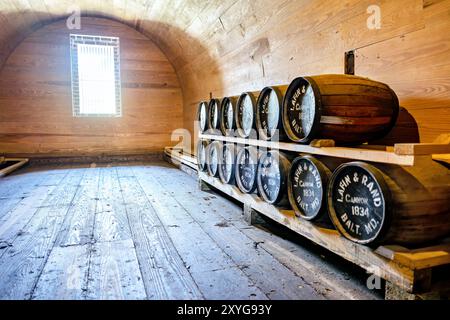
[(36, 106), (224, 47), (259, 43)]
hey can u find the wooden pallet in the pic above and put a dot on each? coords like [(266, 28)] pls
[(411, 272)]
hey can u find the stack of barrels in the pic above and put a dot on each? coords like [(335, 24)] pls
[(367, 203)]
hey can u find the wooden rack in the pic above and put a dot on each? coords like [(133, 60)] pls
[(411, 271), (400, 154)]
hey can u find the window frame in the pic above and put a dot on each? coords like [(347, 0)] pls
[(76, 39)]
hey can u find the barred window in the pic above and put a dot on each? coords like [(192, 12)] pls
[(95, 62)]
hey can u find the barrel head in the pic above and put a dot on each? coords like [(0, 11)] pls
[(357, 202), (268, 113), (270, 177), (201, 155), (227, 121), (246, 169), (227, 164), (213, 115), (307, 183), (202, 116), (245, 114), (212, 158), (301, 110)]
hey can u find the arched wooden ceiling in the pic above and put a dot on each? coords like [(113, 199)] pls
[(193, 34), (225, 47), (173, 24), (181, 28)]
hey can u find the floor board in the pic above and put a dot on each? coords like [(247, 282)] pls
[(23, 261), (145, 231), (114, 272), (332, 280), (242, 251), (163, 272), (64, 276)]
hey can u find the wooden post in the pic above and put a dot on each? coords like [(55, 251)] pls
[(392, 292), (251, 216), (203, 186)]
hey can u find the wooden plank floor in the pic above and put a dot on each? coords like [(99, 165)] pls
[(144, 231)]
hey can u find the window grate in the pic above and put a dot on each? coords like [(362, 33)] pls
[(95, 66)]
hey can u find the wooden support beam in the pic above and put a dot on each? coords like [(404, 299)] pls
[(363, 153), (416, 149), (441, 158), (251, 216), (319, 143), (419, 258), (203, 186)]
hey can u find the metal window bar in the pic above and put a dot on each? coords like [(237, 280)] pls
[(95, 64)]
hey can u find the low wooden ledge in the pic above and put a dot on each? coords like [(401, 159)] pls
[(19, 162), (100, 158), (325, 148)]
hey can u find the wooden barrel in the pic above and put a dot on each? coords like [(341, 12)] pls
[(245, 115), (213, 155), (269, 122), (390, 204), (347, 109), (202, 116), (213, 116), (227, 118), (307, 185), (202, 145), (246, 169), (273, 171), (227, 164)]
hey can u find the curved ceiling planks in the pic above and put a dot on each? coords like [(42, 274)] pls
[(179, 27), (172, 24), (225, 47)]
